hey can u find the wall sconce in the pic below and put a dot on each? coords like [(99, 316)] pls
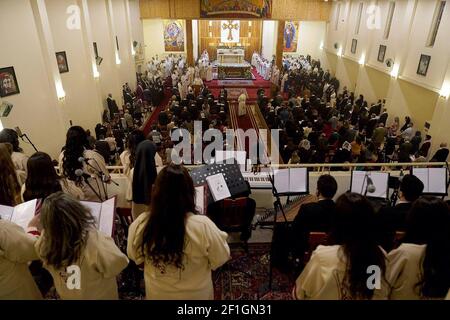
[(362, 60), (118, 58), (339, 52), (321, 45), (445, 90), (395, 69), (60, 93), (133, 52)]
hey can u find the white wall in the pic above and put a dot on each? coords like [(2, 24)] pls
[(37, 111), (310, 36), (269, 39), (154, 38)]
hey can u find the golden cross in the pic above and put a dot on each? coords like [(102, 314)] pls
[(230, 26)]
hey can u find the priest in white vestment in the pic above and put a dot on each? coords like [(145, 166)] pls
[(242, 109), (209, 73)]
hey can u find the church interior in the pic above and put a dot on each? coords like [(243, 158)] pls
[(224, 149)]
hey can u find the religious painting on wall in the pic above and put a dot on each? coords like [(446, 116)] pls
[(290, 36), (230, 31), (424, 63), (61, 59), (236, 8), (381, 53), (173, 35), (8, 82)]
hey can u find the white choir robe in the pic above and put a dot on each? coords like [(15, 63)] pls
[(242, 109), (323, 274), (404, 271), (205, 250), (209, 73), (17, 250), (181, 91)]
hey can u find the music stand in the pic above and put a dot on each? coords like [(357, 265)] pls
[(277, 205), (231, 172)]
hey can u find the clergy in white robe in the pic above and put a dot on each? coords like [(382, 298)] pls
[(242, 108), (322, 278), (283, 82), (180, 90), (209, 73), (206, 249), (268, 71)]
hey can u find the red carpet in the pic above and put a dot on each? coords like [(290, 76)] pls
[(154, 116), (259, 82)]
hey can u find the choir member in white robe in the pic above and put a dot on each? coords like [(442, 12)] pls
[(93, 252), (209, 73), (205, 247), (327, 274), (242, 108), (16, 251), (418, 268)]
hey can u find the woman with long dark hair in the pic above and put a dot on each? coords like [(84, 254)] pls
[(178, 247), (18, 157), (82, 166), (42, 179), (9, 183), (342, 271), (70, 241), (128, 158), (420, 267)]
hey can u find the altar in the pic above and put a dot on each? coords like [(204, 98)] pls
[(232, 65), (230, 55)]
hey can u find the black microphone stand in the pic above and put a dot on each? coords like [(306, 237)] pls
[(99, 174), (29, 141), (92, 188)]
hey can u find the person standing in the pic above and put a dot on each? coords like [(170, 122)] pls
[(178, 247), (242, 108), (144, 176)]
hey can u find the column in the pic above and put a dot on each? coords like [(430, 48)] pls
[(189, 43), (280, 38)]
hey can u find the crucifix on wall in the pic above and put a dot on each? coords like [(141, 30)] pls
[(230, 30)]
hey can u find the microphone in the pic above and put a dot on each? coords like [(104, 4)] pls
[(80, 173), (370, 186), (19, 132), (82, 159)]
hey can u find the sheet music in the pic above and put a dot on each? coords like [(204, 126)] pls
[(200, 199), (433, 179), (6, 212), (293, 180), (298, 180), (380, 181), (95, 209), (103, 214), (218, 187), (23, 213), (281, 180)]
